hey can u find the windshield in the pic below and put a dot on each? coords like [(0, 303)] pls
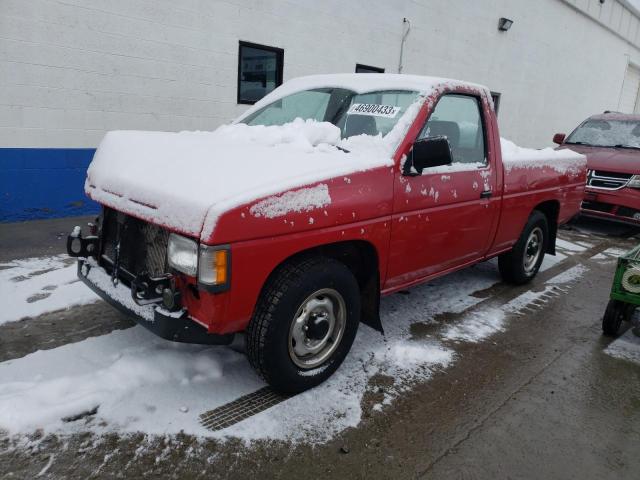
[(355, 114), (607, 133)]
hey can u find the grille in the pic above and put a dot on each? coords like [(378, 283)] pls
[(143, 246), (607, 180)]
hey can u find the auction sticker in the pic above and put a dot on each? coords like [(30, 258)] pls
[(375, 110)]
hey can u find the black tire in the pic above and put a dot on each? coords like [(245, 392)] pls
[(615, 313), (512, 263), (268, 335)]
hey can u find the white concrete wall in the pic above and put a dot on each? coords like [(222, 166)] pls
[(72, 69)]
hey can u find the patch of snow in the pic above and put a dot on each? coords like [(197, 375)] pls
[(119, 292), (407, 354), (453, 168), (34, 286), (122, 373), (565, 245), (626, 347), (563, 161), (46, 468), (568, 276), (484, 322), (477, 326), (551, 260), (303, 200), (616, 252)]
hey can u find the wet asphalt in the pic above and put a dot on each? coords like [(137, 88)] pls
[(539, 400)]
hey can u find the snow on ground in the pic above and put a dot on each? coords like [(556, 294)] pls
[(626, 347), (481, 323), (616, 252), (139, 382), (565, 245), (34, 286), (142, 383), (551, 260)]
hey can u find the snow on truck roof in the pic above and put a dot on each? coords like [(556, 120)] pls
[(360, 83)]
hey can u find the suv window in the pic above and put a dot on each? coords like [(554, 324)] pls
[(459, 118)]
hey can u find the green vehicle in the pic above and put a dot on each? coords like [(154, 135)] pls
[(625, 292)]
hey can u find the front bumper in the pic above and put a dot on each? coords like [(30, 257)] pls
[(174, 326), (621, 205)]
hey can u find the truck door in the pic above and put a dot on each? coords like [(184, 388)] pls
[(445, 218)]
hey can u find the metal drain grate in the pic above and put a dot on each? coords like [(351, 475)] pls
[(240, 409)]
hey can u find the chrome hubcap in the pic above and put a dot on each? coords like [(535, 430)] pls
[(533, 250), (317, 328)]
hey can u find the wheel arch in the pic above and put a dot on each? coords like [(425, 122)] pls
[(551, 210), (362, 259)]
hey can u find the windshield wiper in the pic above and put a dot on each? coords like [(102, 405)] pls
[(343, 149), (626, 146), (578, 143)]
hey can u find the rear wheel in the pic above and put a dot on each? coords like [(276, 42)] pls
[(519, 265), (304, 324), (615, 313)]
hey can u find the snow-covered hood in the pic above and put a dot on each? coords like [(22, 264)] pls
[(186, 180)]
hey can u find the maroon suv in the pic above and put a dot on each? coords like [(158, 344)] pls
[(611, 142)]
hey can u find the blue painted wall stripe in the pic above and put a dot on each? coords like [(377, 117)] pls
[(37, 183)]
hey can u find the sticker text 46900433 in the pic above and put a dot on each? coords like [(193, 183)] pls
[(388, 111)]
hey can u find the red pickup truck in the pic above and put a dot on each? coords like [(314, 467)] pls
[(611, 142), (290, 223)]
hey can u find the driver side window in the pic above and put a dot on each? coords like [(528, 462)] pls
[(459, 119)]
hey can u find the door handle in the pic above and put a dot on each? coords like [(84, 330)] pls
[(486, 194)]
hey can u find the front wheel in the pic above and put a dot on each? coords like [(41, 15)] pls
[(519, 265), (304, 324)]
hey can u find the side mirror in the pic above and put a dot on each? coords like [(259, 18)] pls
[(426, 153), (559, 138)]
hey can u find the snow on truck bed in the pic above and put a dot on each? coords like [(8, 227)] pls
[(561, 161)]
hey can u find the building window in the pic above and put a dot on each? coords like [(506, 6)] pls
[(259, 71), (368, 69), (496, 101)]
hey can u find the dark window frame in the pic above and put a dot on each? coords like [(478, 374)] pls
[(279, 66), (371, 68)]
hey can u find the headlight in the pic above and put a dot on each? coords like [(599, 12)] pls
[(214, 265), (182, 254), (634, 182)]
